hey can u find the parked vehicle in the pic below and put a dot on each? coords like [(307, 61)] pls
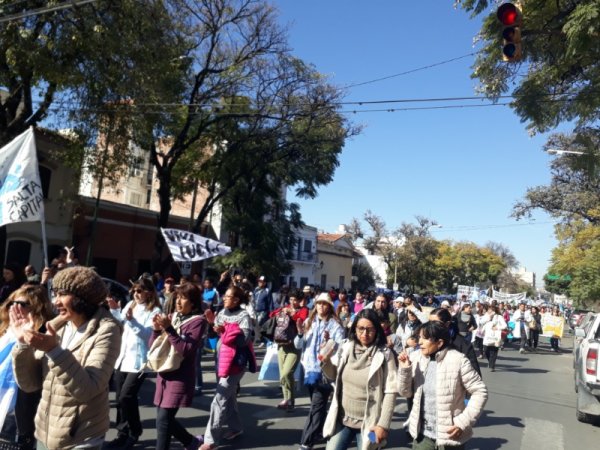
[(576, 316), (586, 322), (587, 372)]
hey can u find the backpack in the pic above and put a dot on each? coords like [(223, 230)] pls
[(285, 329)]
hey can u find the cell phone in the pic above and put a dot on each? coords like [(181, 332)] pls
[(372, 437)]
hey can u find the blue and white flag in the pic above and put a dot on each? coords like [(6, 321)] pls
[(21, 196)]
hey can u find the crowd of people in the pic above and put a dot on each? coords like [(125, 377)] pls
[(71, 339)]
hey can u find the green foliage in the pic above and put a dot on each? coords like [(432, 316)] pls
[(466, 263), (557, 80), (577, 255), (363, 277)]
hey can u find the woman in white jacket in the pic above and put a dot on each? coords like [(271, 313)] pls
[(136, 317), (521, 318), (439, 378), (492, 335), (364, 372)]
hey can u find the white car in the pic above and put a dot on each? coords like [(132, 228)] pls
[(587, 372)]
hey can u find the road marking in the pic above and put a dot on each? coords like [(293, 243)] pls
[(544, 434)]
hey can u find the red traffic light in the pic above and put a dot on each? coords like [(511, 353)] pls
[(508, 14)]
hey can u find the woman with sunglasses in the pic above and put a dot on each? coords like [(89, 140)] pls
[(364, 370), (321, 327), (72, 362), (34, 301), (136, 317)]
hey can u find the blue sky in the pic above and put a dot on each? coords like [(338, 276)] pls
[(464, 168)]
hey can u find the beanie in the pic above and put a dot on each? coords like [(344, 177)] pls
[(82, 282)]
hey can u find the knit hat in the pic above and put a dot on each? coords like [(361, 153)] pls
[(325, 298), (82, 282)]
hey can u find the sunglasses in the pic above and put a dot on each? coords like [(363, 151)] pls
[(139, 291), (22, 303)]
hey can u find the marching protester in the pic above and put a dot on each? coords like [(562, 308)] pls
[(34, 301), (555, 339), (456, 340), (493, 325), (288, 319), (535, 328), (137, 318), (235, 353), (466, 322), (321, 327), (175, 388), (364, 373), (71, 362), (439, 378), (521, 318)]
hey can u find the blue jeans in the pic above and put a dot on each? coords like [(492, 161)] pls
[(343, 437)]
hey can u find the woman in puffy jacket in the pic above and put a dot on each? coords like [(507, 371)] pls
[(439, 378), (234, 353), (364, 371)]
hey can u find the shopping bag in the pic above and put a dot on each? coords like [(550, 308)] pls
[(269, 369), (493, 338)]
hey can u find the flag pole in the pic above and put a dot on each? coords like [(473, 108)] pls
[(44, 242)]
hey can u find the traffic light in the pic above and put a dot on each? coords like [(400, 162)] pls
[(511, 19)]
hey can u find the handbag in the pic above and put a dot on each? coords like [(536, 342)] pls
[(532, 324), (493, 338), (268, 328), (162, 356)]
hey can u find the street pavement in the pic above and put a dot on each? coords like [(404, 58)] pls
[(531, 406)]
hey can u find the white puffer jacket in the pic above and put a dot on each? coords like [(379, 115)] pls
[(455, 377)]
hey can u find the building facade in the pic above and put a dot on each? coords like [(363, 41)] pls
[(335, 255)]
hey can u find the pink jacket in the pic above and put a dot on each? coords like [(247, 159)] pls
[(228, 364)]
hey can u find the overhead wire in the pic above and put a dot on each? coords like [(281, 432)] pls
[(43, 10)]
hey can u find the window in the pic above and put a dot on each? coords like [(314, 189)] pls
[(135, 199), (342, 281), (324, 281), (303, 281), (19, 252), (148, 196), (106, 267), (308, 246), (135, 170), (292, 283), (45, 177)]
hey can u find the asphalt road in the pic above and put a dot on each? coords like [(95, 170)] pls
[(531, 406)]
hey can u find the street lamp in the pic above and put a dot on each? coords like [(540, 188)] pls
[(554, 151)]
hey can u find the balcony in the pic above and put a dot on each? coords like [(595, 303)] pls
[(303, 257)]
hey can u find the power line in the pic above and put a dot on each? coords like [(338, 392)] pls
[(409, 71), (44, 10), (487, 227)]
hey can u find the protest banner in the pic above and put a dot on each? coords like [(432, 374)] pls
[(509, 298), (186, 246), (553, 326), (21, 194)]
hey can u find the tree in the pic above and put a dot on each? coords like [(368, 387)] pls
[(363, 277), (574, 190), (466, 263), (575, 263), (243, 84), (414, 259), (75, 58), (557, 79)]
